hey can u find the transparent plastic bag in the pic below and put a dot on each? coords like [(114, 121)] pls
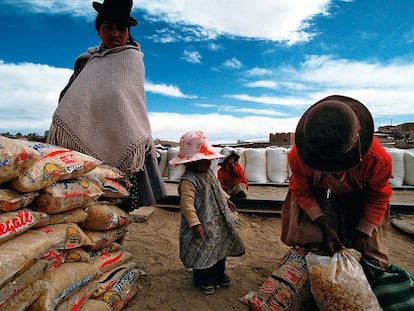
[(339, 282)]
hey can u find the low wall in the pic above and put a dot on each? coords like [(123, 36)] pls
[(270, 165)]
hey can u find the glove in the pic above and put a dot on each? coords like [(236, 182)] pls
[(360, 242), (330, 238)]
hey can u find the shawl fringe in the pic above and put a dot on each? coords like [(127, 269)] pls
[(129, 162)]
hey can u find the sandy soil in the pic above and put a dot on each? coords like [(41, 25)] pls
[(168, 285)]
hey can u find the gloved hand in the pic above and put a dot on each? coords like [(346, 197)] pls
[(360, 241), (198, 231), (330, 238)]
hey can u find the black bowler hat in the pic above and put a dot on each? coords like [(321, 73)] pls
[(334, 134), (117, 11)]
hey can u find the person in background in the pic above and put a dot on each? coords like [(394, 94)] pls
[(208, 227), (340, 182), (102, 110), (231, 175)]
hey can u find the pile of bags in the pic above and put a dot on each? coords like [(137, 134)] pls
[(61, 231)]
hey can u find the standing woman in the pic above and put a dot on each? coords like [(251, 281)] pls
[(102, 110)]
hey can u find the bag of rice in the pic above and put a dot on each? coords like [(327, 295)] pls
[(24, 298), (15, 157), (71, 235), (22, 280), (76, 216), (104, 216), (287, 288), (11, 200), (63, 282), (77, 299), (56, 165), (95, 305), (19, 253), (109, 278), (17, 222), (65, 195), (339, 282), (101, 239), (108, 261)]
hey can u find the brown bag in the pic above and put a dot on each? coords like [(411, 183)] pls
[(297, 228)]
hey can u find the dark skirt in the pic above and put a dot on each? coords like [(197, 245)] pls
[(147, 186)]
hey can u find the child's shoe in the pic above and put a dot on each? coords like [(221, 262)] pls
[(207, 289), (224, 281)]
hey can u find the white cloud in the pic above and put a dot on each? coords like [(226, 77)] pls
[(192, 57), (233, 63), (270, 84), (283, 20), (256, 71), (220, 128), (166, 90)]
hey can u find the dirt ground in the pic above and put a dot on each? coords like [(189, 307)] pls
[(167, 285)]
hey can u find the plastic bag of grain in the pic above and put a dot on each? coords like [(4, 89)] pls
[(78, 298), (104, 238), (338, 282), (65, 195), (107, 280), (108, 261), (15, 157), (277, 165), (19, 253), (95, 305), (108, 179), (163, 162), (63, 282), (33, 272), (17, 222), (287, 287), (104, 216), (11, 200), (76, 216), (256, 165), (25, 297), (57, 165), (123, 290), (70, 235)]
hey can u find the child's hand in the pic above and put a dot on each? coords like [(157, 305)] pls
[(198, 231)]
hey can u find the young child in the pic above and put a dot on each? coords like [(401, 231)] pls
[(231, 174), (208, 229)]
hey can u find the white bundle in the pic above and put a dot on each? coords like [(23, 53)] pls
[(255, 168), (277, 164), (409, 167), (397, 156)]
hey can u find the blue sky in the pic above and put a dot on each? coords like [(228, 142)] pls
[(238, 70)]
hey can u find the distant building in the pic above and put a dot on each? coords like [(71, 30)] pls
[(405, 130), (282, 139)]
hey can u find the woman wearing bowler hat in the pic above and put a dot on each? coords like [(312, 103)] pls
[(339, 191), (102, 109)]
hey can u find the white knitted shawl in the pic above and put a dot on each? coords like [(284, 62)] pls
[(103, 112)]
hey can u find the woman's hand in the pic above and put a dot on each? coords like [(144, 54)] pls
[(360, 242), (198, 231), (330, 238)]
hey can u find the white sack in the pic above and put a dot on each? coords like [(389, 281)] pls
[(163, 162), (397, 156), (255, 168), (174, 173), (277, 164), (409, 167)]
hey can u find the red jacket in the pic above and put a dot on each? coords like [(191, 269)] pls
[(371, 175), (228, 179)]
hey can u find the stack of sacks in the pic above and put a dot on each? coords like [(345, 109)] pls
[(60, 231)]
